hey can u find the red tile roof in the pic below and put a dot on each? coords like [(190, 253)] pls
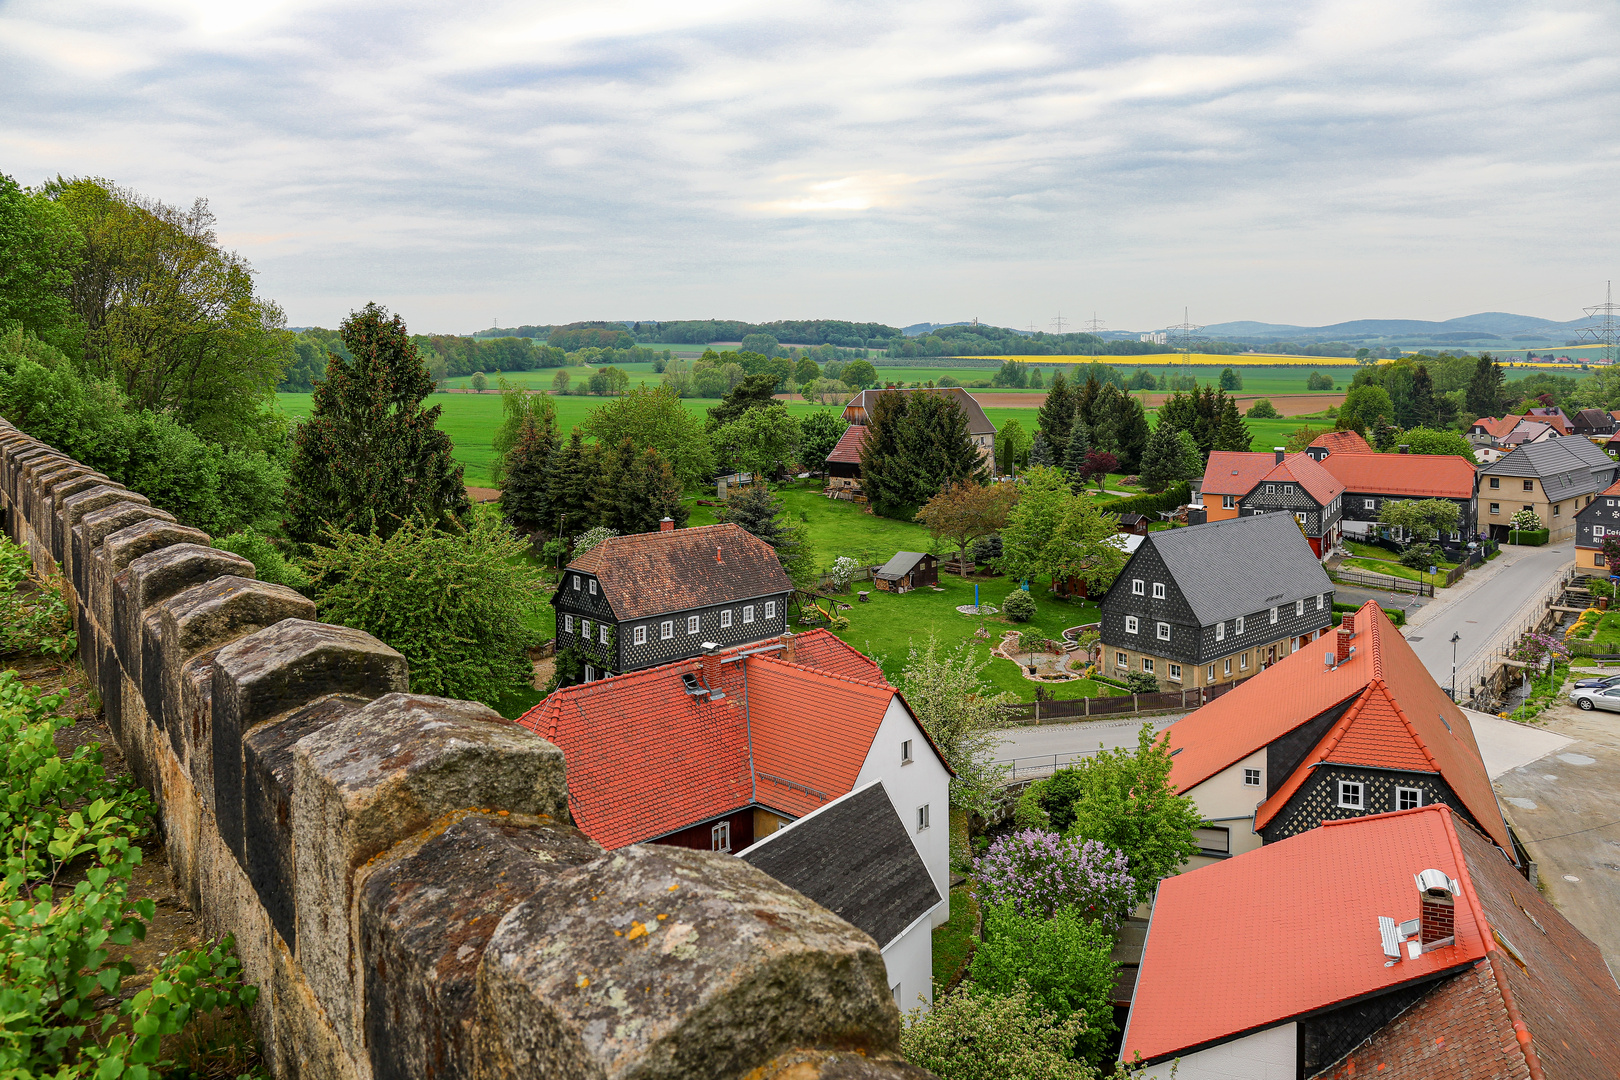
[(1417, 476), (1401, 719), (847, 451), (1235, 472), (1563, 993), (1498, 429), (1280, 932), (645, 758), (1291, 928), (1343, 442), (651, 573), (1318, 483), (1553, 417)]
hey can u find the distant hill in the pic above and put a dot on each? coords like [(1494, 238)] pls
[(1484, 326)]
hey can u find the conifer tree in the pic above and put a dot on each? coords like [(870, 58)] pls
[(916, 444), (526, 499), (1039, 452), (369, 457), (1162, 464), (649, 494), (1074, 459), (1056, 418), (761, 514), (1234, 433), (575, 474), (1131, 434), (1485, 388)]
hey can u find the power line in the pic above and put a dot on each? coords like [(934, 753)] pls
[(1605, 331), (1185, 338), (1094, 327)]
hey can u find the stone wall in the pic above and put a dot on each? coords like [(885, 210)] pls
[(398, 870)]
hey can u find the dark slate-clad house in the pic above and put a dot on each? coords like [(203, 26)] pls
[(1215, 602), (1597, 521), (855, 857), (1298, 486), (1371, 480), (649, 598)]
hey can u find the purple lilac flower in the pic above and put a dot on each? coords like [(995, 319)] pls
[(1039, 873)]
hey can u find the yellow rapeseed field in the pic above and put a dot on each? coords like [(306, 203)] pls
[(1203, 359)]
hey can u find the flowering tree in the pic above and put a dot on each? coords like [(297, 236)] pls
[(1525, 521), (1039, 873), (961, 712), (843, 571)]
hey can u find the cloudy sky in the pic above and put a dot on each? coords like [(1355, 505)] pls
[(1280, 160)]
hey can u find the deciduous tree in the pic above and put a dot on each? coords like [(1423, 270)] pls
[(954, 704), (963, 512), (652, 416), (1065, 962), (758, 441), (1029, 547), (1421, 519)]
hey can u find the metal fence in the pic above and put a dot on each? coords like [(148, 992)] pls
[(1480, 685), (1022, 768), (1349, 575), (1039, 712)]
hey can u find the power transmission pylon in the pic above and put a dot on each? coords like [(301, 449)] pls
[(1606, 330), (1185, 338), (1058, 322), (1094, 327)]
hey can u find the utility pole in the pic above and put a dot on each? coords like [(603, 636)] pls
[(1455, 637)]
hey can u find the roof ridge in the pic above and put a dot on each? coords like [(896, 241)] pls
[(876, 684)]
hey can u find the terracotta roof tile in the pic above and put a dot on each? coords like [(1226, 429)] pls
[(1417, 476), (1234, 472), (847, 451), (647, 574), (1304, 470), (978, 422), (1498, 428), (1343, 442)]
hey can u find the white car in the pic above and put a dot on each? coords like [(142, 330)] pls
[(1596, 697)]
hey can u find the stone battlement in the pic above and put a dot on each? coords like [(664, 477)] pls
[(399, 871)]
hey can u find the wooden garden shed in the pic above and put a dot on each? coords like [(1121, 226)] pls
[(907, 570)]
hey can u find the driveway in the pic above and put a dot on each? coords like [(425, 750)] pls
[(1565, 806)]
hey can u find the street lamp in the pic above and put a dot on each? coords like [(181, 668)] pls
[(1455, 637)]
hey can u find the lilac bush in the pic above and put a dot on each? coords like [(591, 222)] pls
[(1039, 873)]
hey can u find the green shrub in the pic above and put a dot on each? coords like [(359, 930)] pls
[(1141, 682), (1421, 557), (1063, 961), (34, 618), (972, 1035), (1600, 587), (271, 564), (1019, 606), (1149, 505)]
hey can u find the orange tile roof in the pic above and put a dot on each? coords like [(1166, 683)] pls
[(1291, 928), (1235, 472), (1499, 429), (1401, 719), (1343, 442), (1304, 470), (847, 451), (1418, 476), (645, 758)]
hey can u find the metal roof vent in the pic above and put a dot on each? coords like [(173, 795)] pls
[(1435, 882)]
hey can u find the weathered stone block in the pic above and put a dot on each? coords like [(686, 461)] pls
[(73, 508), (365, 783), (46, 516), (138, 592), (839, 1065), (89, 538), (426, 910), (268, 673), (267, 838), (659, 961)]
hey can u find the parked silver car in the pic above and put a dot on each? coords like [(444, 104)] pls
[(1596, 697)]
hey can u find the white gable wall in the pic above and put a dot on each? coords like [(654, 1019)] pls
[(910, 963), (1266, 1055), (1224, 800), (924, 782)]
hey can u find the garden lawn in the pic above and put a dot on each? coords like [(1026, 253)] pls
[(1378, 554), (953, 941), (1395, 569), (1605, 633)]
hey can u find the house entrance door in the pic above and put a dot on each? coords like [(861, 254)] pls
[(1271, 656)]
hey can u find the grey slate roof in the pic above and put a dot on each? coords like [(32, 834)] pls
[(1234, 567), (1553, 457), (978, 422), (855, 858), (903, 563)]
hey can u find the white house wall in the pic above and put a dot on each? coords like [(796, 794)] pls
[(910, 963), (924, 782), (1266, 1055), (1224, 800)]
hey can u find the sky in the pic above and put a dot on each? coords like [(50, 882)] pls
[(472, 164)]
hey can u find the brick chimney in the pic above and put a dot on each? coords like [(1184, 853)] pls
[(787, 646), (711, 665), (666, 524), (1346, 634), (1281, 453), (1437, 907)]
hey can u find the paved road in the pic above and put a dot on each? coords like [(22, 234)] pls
[(1484, 607), (1037, 749)]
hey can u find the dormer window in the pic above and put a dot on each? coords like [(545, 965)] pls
[(1288, 489), (1273, 616), (1238, 628), (576, 583), (1271, 489)]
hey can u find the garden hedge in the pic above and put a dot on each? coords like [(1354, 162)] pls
[(1529, 538), (1149, 505)]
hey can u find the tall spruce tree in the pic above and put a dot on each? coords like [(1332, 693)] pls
[(1163, 462), (369, 457), (1039, 452), (1074, 460), (575, 474), (1421, 404), (526, 498), (917, 443), (1234, 433), (650, 494), (761, 514), (1056, 418), (1131, 434), (1485, 389)]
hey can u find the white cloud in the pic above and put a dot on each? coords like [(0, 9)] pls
[(1299, 162)]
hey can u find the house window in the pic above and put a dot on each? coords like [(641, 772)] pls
[(1228, 667), (641, 635), (1138, 586), (1147, 664), (1121, 660), (1527, 506), (1131, 624), (1273, 616), (601, 633), (692, 624), (576, 583), (1271, 489), (720, 837), (1237, 627), (770, 609), (1158, 590), (1213, 840), (1251, 777), (1496, 508), (922, 817), (666, 629), (1529, 485), (725, 618), (1408, 798), (1220, 631), (1321, 599), (1558, 508), (590, 673), (1350, 793), (1496, 481), (1209, 674), (1288, 489), (568, 623), (585, 628), (1597, 532), (592, 584), (748, 613), (905, 752), (1299, 607), (1597, 558), (1228, 502), (1243, 662), (1164, 631), (1299, 518), (1174, 671), (1369, 504)]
